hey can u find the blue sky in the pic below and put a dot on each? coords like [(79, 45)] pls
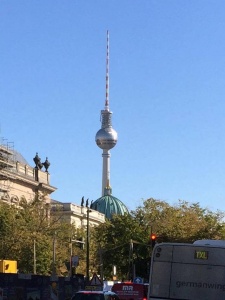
[(167, 90)]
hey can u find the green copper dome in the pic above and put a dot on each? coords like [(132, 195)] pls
[(109, 205)]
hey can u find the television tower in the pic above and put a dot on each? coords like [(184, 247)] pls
[(106, 137)]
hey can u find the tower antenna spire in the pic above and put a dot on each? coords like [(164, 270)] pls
[(107, 74), (106, 137)]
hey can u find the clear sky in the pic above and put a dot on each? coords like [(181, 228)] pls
[(167, 91)]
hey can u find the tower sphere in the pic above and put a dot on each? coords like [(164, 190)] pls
[(106, 138)]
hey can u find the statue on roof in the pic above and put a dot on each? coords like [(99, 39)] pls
[(91, 205)]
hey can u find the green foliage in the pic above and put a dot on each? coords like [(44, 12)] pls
[(117, 240), (123, 242), (183, 222), (30, 226)]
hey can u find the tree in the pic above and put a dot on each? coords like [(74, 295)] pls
[(30, 224), (121, 242), (183, 222)]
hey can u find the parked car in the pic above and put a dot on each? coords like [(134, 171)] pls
[(95, 295)]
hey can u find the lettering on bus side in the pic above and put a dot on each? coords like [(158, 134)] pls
[(201, 254), (127, 288)]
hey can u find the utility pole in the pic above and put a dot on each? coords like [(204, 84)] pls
[(35, 271), (131, 261), (71, 254), (54, 260), (101, 263)]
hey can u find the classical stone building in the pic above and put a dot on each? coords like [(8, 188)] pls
[(78, 215), (20, 180)]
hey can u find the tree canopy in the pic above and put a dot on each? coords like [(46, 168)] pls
[(125, 240), (29, 228)]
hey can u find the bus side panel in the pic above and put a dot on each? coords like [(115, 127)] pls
[(160, 282), (187, 272), (202, 282)]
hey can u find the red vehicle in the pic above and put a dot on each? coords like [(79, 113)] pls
[(131, 291)]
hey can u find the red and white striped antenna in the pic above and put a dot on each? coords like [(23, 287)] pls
[(107, 74)]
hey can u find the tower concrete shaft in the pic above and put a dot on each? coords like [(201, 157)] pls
[(106, 189), (106, 137)]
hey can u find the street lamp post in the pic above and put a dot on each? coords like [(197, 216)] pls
[(88, 240), (88, 244)]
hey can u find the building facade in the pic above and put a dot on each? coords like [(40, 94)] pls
[(19, 180)]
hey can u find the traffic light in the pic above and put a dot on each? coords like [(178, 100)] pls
[(153, 239)]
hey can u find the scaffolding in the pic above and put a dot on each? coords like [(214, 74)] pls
[(7, 164)]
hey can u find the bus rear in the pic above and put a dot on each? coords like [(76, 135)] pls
[(187, 271)]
